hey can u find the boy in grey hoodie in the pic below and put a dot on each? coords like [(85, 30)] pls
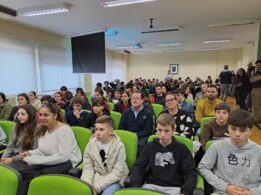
[(233, 165)]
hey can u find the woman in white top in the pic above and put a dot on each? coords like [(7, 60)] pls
[(57, 150)]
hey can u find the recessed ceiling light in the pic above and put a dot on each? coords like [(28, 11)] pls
[(174, 50), (115, 3), (210, 49), (167, 44), (141, 52), (44, 10), (223, 40)]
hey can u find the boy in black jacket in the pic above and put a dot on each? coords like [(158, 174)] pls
[(165, 164)]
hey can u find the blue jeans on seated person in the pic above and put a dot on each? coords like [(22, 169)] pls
[(111, 189)]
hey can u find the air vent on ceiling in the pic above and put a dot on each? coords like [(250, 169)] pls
[(159, 30), (7, 12)]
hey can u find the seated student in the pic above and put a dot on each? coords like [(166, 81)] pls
[(206, 106), (217, 128), (184, 123), (104, 160), (183, 105), (86, 103), (5, 107), (124, 104), (22, 137), (97, 110), (77, 116), (22, 99), (66, 95), (159, 97), (2, 139), (57, 150), (58, 100), (137, 119), (232, 165), (34, 101), (202, 93), (46, 99), (117, 96), (165, 164), (99, 97)]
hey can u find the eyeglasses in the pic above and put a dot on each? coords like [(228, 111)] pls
[(170, 100), (135, 98)]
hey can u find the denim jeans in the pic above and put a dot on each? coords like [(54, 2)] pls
[(111, 189)]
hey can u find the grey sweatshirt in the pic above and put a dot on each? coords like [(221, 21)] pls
[(2, 137), (12, 150), (225, 164), (55, 148)]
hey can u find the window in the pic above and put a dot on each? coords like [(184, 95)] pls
[(56, 69), (17, 66)]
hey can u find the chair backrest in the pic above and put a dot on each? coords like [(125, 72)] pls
[(63, 113), (138, 191), (209, 144), (189, 101), (111, 105), (58, 185), (203, 122), (130, 141), (7, 126), (10, 180), (116, 117), (180, 139), (157, 109), (82, 136)]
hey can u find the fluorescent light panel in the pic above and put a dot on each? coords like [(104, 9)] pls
[(44, 10), (141, 52), (174, 50), (167, 44), (123, 2), (218, 40), (210, 49)]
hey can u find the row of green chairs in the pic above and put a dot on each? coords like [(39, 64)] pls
[(130, 141), (10, 182)]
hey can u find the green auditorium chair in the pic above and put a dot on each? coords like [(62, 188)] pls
[(59, 185), (189, 101), (209, 144), (157, 109), (138, 191), (10, 180), (203, 122), (62, 111), (82, 136), (7, 126), (116, 117), (111, 105), (199, 190), (130, 141)]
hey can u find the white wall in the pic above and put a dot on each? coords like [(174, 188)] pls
[(247, 54), (193, 64), (116, 67)]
